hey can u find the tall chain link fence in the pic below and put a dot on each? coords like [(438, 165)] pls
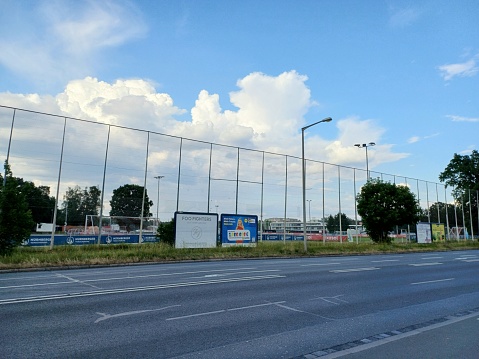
[(182, 174)]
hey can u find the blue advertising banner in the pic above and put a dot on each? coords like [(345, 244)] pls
[(59, 240), (239, 230), (280, 237)]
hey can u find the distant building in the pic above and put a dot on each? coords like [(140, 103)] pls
[(293, 225)]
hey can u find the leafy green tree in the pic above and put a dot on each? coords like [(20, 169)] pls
[(166, 232), (332, 223), (80, 202), (16, 220), (126, 202), (383, 205), (462, 174), (39, 201)]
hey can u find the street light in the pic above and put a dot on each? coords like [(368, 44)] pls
[(364, 145), (327, 119), (309, 208), (158, 199)]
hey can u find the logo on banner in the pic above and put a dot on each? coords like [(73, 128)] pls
[(239, 236), (70, 240)]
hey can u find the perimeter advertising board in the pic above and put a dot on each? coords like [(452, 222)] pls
[(196, 230), (424, 232), (239, 230)]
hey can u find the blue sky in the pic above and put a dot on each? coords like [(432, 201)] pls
[(402, 74)]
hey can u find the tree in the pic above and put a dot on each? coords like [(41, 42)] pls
[(166, 232), (383, 205), (15, 218), (80, 202), (126, 202), (39, 201), (462, 174), (332, 223)]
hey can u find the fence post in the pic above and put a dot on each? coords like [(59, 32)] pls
[(103, 186)]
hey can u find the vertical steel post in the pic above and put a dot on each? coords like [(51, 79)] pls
[(262, 189), (179, 177), (285, 198), (140, 238), (237, 181), (323, 231), (447, 214), (52, 239), (340, 214), (356, 205), (8, 149), (470, 215), (103, 186), (209, 178)]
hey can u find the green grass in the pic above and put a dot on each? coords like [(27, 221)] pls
[(72, 256)]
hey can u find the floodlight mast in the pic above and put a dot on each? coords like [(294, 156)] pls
[(364, 145), (327, 119)]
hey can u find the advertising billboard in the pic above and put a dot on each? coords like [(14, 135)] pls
[(424, 233), (239, 230), (438, 232), (196, 230)]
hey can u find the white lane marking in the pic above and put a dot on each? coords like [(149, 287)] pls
[(433, 281), (470, 260), (223, 311), (136, 277), (104, 316), (134, 289), (77, 281), (385, 260), (425, 264), (353, 270), (333, 299), (431, 257), (320, 264), (300, 311)]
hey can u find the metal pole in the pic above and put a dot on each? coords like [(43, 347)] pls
[(52, 239), (367, 164), (340, 214), (309, 209), (103, 187), (304, 192), (328, 119), (322, 220), (285, 198), (447, 214), (140, 238), (262, 188), (209, 179), (8, 149), (463, 217), (355, 205), (437, 202), (179, 177), (470, 215), (158, 200), (427, 202), (237, 181)]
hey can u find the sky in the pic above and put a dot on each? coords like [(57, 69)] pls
[(401, 74)]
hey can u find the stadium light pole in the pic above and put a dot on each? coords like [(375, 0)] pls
[(366, 145), (158, 199), (327, 119)]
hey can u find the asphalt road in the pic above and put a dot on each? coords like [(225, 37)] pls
[(275, 308)]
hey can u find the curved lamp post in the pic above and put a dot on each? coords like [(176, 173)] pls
[(158, 199), (364, 145), (327, 119)]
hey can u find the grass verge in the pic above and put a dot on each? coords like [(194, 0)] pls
[(72, 256)]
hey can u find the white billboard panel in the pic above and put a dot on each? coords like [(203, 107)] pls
[(196, 230), (424, 232)]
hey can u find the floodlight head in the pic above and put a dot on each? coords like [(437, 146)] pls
[(357, 145), (372, 144), (327, 119)]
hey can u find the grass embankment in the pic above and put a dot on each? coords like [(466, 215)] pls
[(71, 256)]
